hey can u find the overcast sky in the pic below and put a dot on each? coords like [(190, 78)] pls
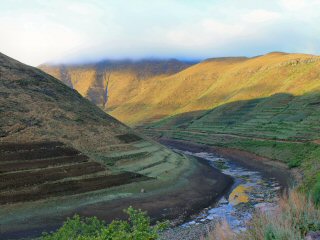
[(38, 31)]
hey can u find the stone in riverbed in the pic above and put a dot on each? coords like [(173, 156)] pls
[(313, 236)]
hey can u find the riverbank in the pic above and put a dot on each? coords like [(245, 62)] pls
[(263, 179), (267, 167), (198, 187)]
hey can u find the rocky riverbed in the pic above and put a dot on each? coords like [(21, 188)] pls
[(251, 190)]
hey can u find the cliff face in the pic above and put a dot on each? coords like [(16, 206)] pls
[(91, 80)]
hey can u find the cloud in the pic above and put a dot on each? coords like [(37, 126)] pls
[(260, 15), (33, 39), (211, 35), (41, 31)]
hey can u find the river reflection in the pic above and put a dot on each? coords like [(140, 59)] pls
[(250, 191)]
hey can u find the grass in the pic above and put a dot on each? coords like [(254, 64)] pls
[(40, 108), (281, 127), (142, 98), (302, 155)]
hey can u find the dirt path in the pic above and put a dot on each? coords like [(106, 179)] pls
[(238, 136)]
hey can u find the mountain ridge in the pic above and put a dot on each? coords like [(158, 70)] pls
[(91, 79), (136, 102)]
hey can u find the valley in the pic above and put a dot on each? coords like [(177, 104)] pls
[(257, 186), (253, 111), (267, 105), (160, 120), (62, 155)]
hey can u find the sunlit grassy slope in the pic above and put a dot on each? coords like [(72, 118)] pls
[(125, 77), (215, 82), (268, 105), (136, 98), (272, 110)]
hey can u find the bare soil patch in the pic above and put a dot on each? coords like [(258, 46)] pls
[(57, 189), (6, 167), (30, 178)]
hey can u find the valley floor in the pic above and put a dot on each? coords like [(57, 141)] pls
[(258, 173)]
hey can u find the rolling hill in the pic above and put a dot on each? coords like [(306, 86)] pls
[(60, 155), (267, 105), (206, 85)]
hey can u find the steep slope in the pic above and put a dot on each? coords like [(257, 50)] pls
[(206, 85), (35, 106), (216, 82), (124, 76), (60, 155)]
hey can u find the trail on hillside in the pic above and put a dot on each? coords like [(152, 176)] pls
[(239, 136)]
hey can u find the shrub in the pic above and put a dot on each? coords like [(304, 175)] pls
[(316, 193), (136, 228)]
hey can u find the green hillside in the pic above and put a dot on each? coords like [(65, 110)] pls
[(60, 155), (281, 127), (268, 105)]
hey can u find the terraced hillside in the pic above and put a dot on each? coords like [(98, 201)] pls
[(281, 116), (282, 127), (60, 155), (50, 170), (268, 105)]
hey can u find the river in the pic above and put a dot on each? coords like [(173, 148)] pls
[(251, 190)]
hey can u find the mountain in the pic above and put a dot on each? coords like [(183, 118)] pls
[(205, 85), (219, 81), (121, 76), (268, 106), (60, 154)]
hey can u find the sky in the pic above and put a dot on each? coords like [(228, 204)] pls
[(78, 31)]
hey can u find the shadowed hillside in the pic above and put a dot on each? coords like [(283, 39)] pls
[(281, 116), (282, 127), (60, 155)]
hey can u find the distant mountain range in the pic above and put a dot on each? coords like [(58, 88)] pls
[(91, 80), (147, 91)]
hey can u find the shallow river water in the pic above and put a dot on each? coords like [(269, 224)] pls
[(250, 191)]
